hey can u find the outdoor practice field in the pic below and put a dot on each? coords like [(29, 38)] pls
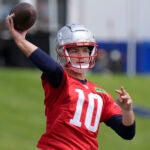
[(22, 111)]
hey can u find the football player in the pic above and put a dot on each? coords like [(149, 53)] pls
[(74, 106)]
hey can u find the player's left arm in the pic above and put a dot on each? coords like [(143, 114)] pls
[(123, 124), (126, 132), (125, 102)]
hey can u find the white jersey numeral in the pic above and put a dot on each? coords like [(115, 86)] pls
[(76, 120)]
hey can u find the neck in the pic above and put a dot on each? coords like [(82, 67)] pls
[(80, 76)]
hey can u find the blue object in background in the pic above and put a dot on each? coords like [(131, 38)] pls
[(120, 46), (142, 54), (143, 57)]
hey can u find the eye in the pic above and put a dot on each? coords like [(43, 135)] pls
[(86, 50), (72, 50)]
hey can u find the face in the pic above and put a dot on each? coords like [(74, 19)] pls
[(79, 55)]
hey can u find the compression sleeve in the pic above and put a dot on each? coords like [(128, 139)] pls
[(48, 66), (126, 132)]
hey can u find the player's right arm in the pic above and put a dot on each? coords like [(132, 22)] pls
[(39, 58)]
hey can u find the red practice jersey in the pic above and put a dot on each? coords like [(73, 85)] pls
[(73, 114)]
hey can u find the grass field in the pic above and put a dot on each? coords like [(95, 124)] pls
[(22, 111)]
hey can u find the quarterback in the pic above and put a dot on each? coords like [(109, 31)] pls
[(74, 106)]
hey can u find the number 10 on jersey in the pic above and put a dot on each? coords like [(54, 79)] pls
[(76, 120)]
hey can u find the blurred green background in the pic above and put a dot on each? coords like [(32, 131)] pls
[(119, 26), (22, 118)]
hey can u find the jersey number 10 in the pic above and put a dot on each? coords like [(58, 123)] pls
[(90, 109)]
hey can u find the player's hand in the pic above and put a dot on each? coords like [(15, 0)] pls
[(19, 37), (124, 100), (15, 34)]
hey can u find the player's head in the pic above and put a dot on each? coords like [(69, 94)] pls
[(73, 39)]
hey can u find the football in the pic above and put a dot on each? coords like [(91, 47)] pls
[(24, 16)]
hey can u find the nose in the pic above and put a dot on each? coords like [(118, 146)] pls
[(81, 53)]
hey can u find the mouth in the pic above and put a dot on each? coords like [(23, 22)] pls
[(82, 63)]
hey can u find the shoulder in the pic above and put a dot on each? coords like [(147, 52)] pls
[(46, 79)]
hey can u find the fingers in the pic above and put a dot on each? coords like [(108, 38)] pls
[(118, 91), (129, 101), (121, 91), (123, 94), (10, 24), (9, 21), (124, 100), (12, 15)]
